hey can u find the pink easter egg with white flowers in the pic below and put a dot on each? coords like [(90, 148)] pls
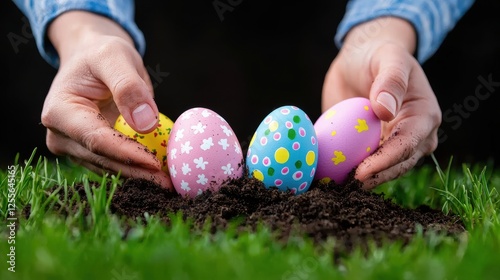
[(202, 152), (347, 133)]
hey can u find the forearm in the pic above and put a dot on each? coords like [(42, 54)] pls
[(73, 30), (41, 14)]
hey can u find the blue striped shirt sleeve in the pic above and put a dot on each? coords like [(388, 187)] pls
[(432, 19), (40, 14)]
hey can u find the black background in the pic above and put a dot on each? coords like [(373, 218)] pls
[(262, 55)]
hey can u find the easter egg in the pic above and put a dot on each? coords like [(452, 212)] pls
[(156, 141), (283, 152), (203, 152), (348, 132)]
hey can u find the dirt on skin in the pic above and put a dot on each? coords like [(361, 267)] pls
[(349, 214)]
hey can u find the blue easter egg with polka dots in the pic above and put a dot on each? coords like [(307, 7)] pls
[(283, 152)]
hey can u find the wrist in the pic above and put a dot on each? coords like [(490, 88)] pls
[(383, 30), (75, 30)]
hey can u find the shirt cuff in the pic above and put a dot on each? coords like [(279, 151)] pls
[(432, 20), (42, 13)]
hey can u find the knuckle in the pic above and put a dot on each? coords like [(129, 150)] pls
[(76, 160), (432, 144), (410, 146), (102, 163), (436, 118), (91, 140), (415, 141), (125, 84), (47, 118), (396, 79), (405, 166), (53, 144), (435, 114)]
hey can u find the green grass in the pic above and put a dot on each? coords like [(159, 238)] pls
[(79, 246)]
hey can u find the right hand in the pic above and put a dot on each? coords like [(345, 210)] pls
[(101, 75), (380, 66)]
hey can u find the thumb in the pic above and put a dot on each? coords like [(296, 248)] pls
[(135, 102), (390, 85), (132, 92)]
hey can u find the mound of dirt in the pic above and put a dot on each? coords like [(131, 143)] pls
[(346, 213), (349, 214)]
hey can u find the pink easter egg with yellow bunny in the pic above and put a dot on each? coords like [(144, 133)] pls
[(347, 133)]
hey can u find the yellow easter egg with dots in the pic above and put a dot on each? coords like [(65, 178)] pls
[(156, 141)]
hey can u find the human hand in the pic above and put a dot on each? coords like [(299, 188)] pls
[(380, 66), (100, 76)]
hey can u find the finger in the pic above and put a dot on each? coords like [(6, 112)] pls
[(159, 178), (100, 165), (86, 126), (393, 172), (131, 88), (391, 73), (407, 140)]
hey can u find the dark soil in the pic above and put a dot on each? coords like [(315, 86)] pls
[(350, 215)]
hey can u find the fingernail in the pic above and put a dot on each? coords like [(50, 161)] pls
[(144, 117), (388, 101)]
